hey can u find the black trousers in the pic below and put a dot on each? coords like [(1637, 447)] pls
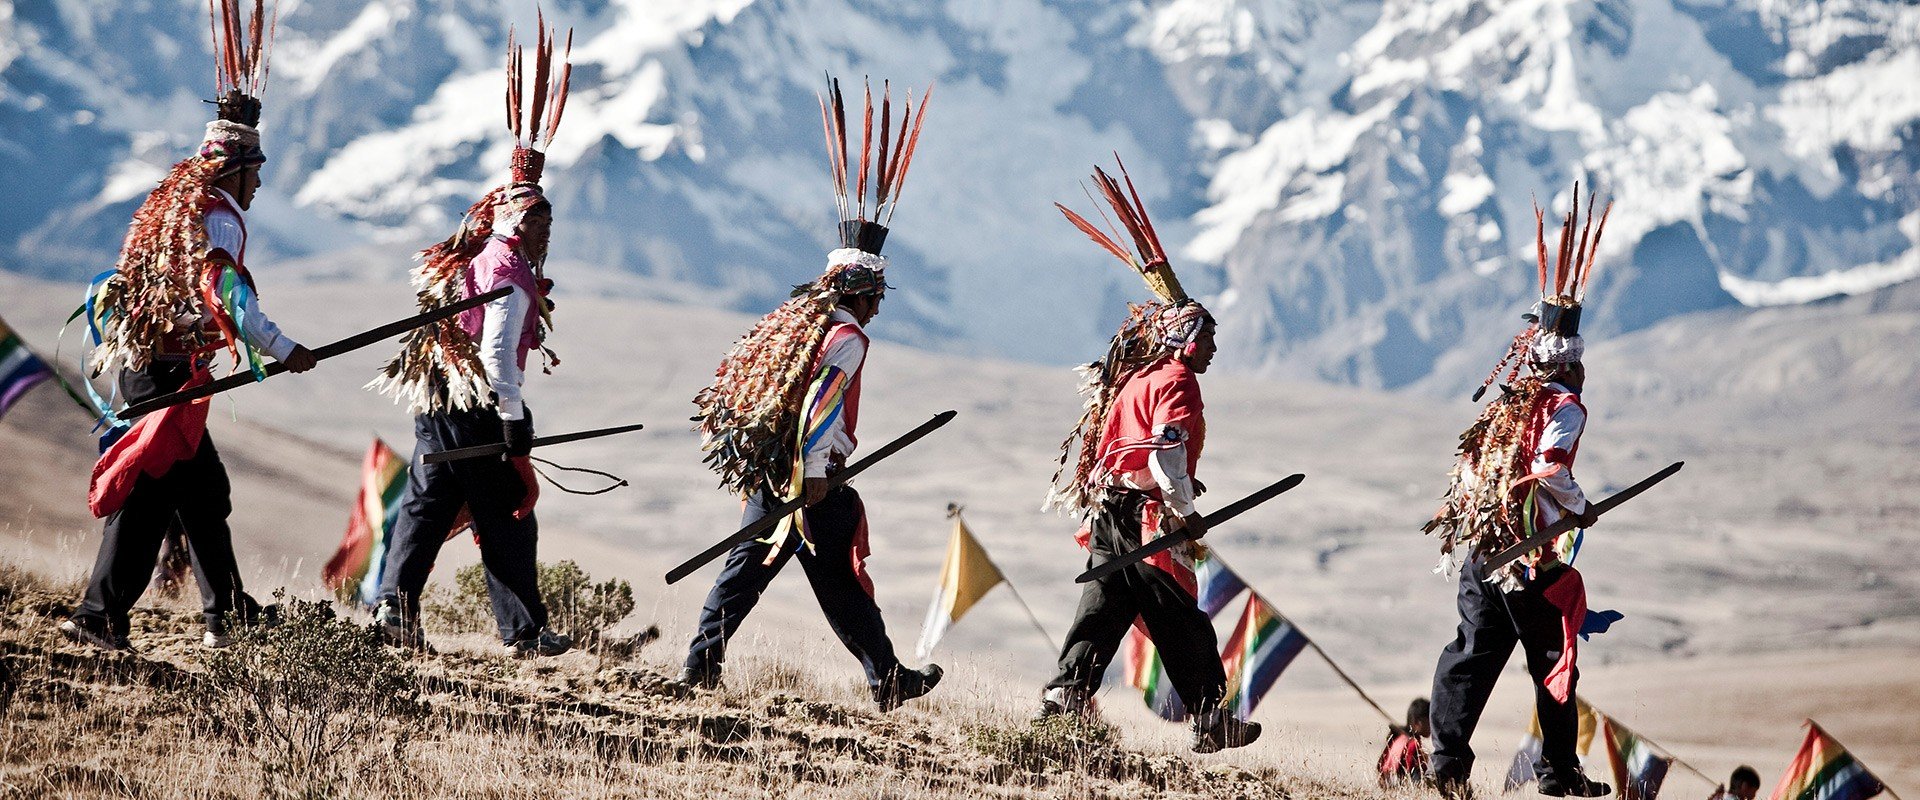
[(491, 490), (194, 494), (1181, 632), (849, 608), (1492, 622)]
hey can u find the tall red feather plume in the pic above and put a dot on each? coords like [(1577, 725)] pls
[(1587, 274), (542, 70), (866, 152), (1146, 223), (906, 154), (886, 167), (560, 92), (1540, 243), (1098, 236)]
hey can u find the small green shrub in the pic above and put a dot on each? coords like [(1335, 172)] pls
[(312, 700), (576, 605)]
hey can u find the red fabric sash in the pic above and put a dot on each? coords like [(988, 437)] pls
[(151, 448), (1569, 595)]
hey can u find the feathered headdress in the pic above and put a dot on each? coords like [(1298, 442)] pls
[(438, 368), (857, 267), (165, 273), (1553, 333), (749, 417), (1482, 512), (1150, 332)]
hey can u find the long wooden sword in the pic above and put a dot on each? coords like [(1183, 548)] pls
[(1551, 532), (1143, 552), (320, 353), (497, 448), (786, 509)]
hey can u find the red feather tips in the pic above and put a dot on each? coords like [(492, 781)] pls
[(1573, 259), (869, 192), (545, 100), (241, 45)]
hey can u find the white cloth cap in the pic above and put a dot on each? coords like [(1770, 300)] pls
[(848, 256), (1552, 348)]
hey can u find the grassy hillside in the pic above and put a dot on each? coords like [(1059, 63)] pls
[(178, 721)]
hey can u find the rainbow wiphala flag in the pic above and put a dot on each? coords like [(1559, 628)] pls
[(1261, 647), (20, 369), (363, 550), (1824, 770), (1638, 769), (1216, 586)]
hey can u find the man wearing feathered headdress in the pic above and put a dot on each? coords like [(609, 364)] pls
[(1133, 480), (1514, 476), (179, 294), (462, 381), (781, 415)]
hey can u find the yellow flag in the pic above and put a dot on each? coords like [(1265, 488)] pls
[(965, 577), (1589, 723)]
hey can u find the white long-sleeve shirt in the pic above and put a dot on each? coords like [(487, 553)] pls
[(225, 231), (1561, 433), (500, 332), (847, 353)]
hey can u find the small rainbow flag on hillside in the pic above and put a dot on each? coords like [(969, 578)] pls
[(363, 550), (1824, 770), (1261, 647), (1216, 587), (1638, 769), (1145, 672), (20, 369)]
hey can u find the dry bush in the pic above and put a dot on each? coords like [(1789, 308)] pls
[(576, 605), (311, 700)]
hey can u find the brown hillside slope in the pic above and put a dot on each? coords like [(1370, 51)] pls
[(78, 723)]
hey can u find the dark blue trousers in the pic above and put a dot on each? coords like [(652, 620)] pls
[(195, 495), (1492, 622), (850, 609), (490, 489)]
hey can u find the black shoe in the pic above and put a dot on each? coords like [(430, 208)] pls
[(86, 630), (1573, 783), (1060, 701), (1218, 730), (397, 630), (543, 644), (906, 684), (699, 678)]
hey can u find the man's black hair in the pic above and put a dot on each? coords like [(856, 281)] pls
[(1744, 775), (1417, 712)]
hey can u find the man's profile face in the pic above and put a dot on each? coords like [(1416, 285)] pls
[(248, 185), (537, 224), (1203, 349)]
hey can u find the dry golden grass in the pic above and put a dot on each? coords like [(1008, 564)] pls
[(76, 722)]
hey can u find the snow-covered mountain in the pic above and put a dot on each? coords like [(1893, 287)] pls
[(1348, 180)]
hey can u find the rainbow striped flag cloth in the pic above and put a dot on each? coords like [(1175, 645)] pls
[(356, 566), (1824, 770), (1217, 587), (1638, 769), (1261, 647), (20, 369)]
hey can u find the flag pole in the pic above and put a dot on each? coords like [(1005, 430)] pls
[(1663, 748), (1024, 607), (1391, 722)]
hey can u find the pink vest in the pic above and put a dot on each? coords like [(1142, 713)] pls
[(1547, 406), (499, 264)]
